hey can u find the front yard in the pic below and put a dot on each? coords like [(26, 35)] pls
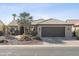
[(14, 41)]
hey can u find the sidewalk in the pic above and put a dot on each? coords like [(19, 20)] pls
[(41, 46)]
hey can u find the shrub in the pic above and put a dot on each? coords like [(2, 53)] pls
[(16, 32), (12, 33), (77, 34), (33, 33), (3, 41), (1, 33), (37, 38), (74, 34), (24, 37)]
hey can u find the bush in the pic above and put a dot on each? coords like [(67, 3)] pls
[(3, 41), (37, 38), (33, 33), (24, 37), (74, 34), (77, 34), (16, 32), (1, 33)]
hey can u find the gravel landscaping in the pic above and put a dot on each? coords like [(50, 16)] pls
[(14, 41)]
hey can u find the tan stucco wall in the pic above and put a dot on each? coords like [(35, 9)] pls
[(74, 28), (68, 29)]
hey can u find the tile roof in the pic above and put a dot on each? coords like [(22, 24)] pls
[(50, 21), (73, 21), (13, 23), (37, 21)]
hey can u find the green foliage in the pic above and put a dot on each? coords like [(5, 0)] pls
[(25, 37), (77, 34), (33, 33), (15, 32), (25, 21), (14, 15), (3, 41), (37, 38)]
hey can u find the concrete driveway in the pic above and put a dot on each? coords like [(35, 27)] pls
[(60, 41)]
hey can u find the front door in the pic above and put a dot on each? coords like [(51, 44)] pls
[(21, 30)]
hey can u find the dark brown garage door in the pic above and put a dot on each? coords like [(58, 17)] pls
[(53, 31)]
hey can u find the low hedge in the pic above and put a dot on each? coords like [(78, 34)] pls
[(77, 34)]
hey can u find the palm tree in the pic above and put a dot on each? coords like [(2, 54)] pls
[(25, 21), (14, 15)]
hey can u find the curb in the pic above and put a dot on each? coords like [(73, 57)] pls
[(36, 46)]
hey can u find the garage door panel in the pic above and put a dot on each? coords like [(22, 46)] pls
[(53, 31)]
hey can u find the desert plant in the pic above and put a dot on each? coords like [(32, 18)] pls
[(3, 41), (14, 16), (77, 34), (24, 37), (25, 20)]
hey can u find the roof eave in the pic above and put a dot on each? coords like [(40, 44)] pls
[(55, 24)]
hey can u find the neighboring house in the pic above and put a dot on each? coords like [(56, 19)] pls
[(75, 22), (53, 28), (2, 26)]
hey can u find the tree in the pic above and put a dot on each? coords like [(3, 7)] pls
[(14, 15), (25, 21)]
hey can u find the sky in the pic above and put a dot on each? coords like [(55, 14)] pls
[(62, 11)]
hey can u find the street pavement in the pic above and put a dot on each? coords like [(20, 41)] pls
[(39, 51)]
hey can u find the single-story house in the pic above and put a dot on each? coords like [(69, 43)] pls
[(2, 26), (75, 22), (53, 28), (45, 28)]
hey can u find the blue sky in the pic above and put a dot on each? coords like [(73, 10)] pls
[(40, 10)]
